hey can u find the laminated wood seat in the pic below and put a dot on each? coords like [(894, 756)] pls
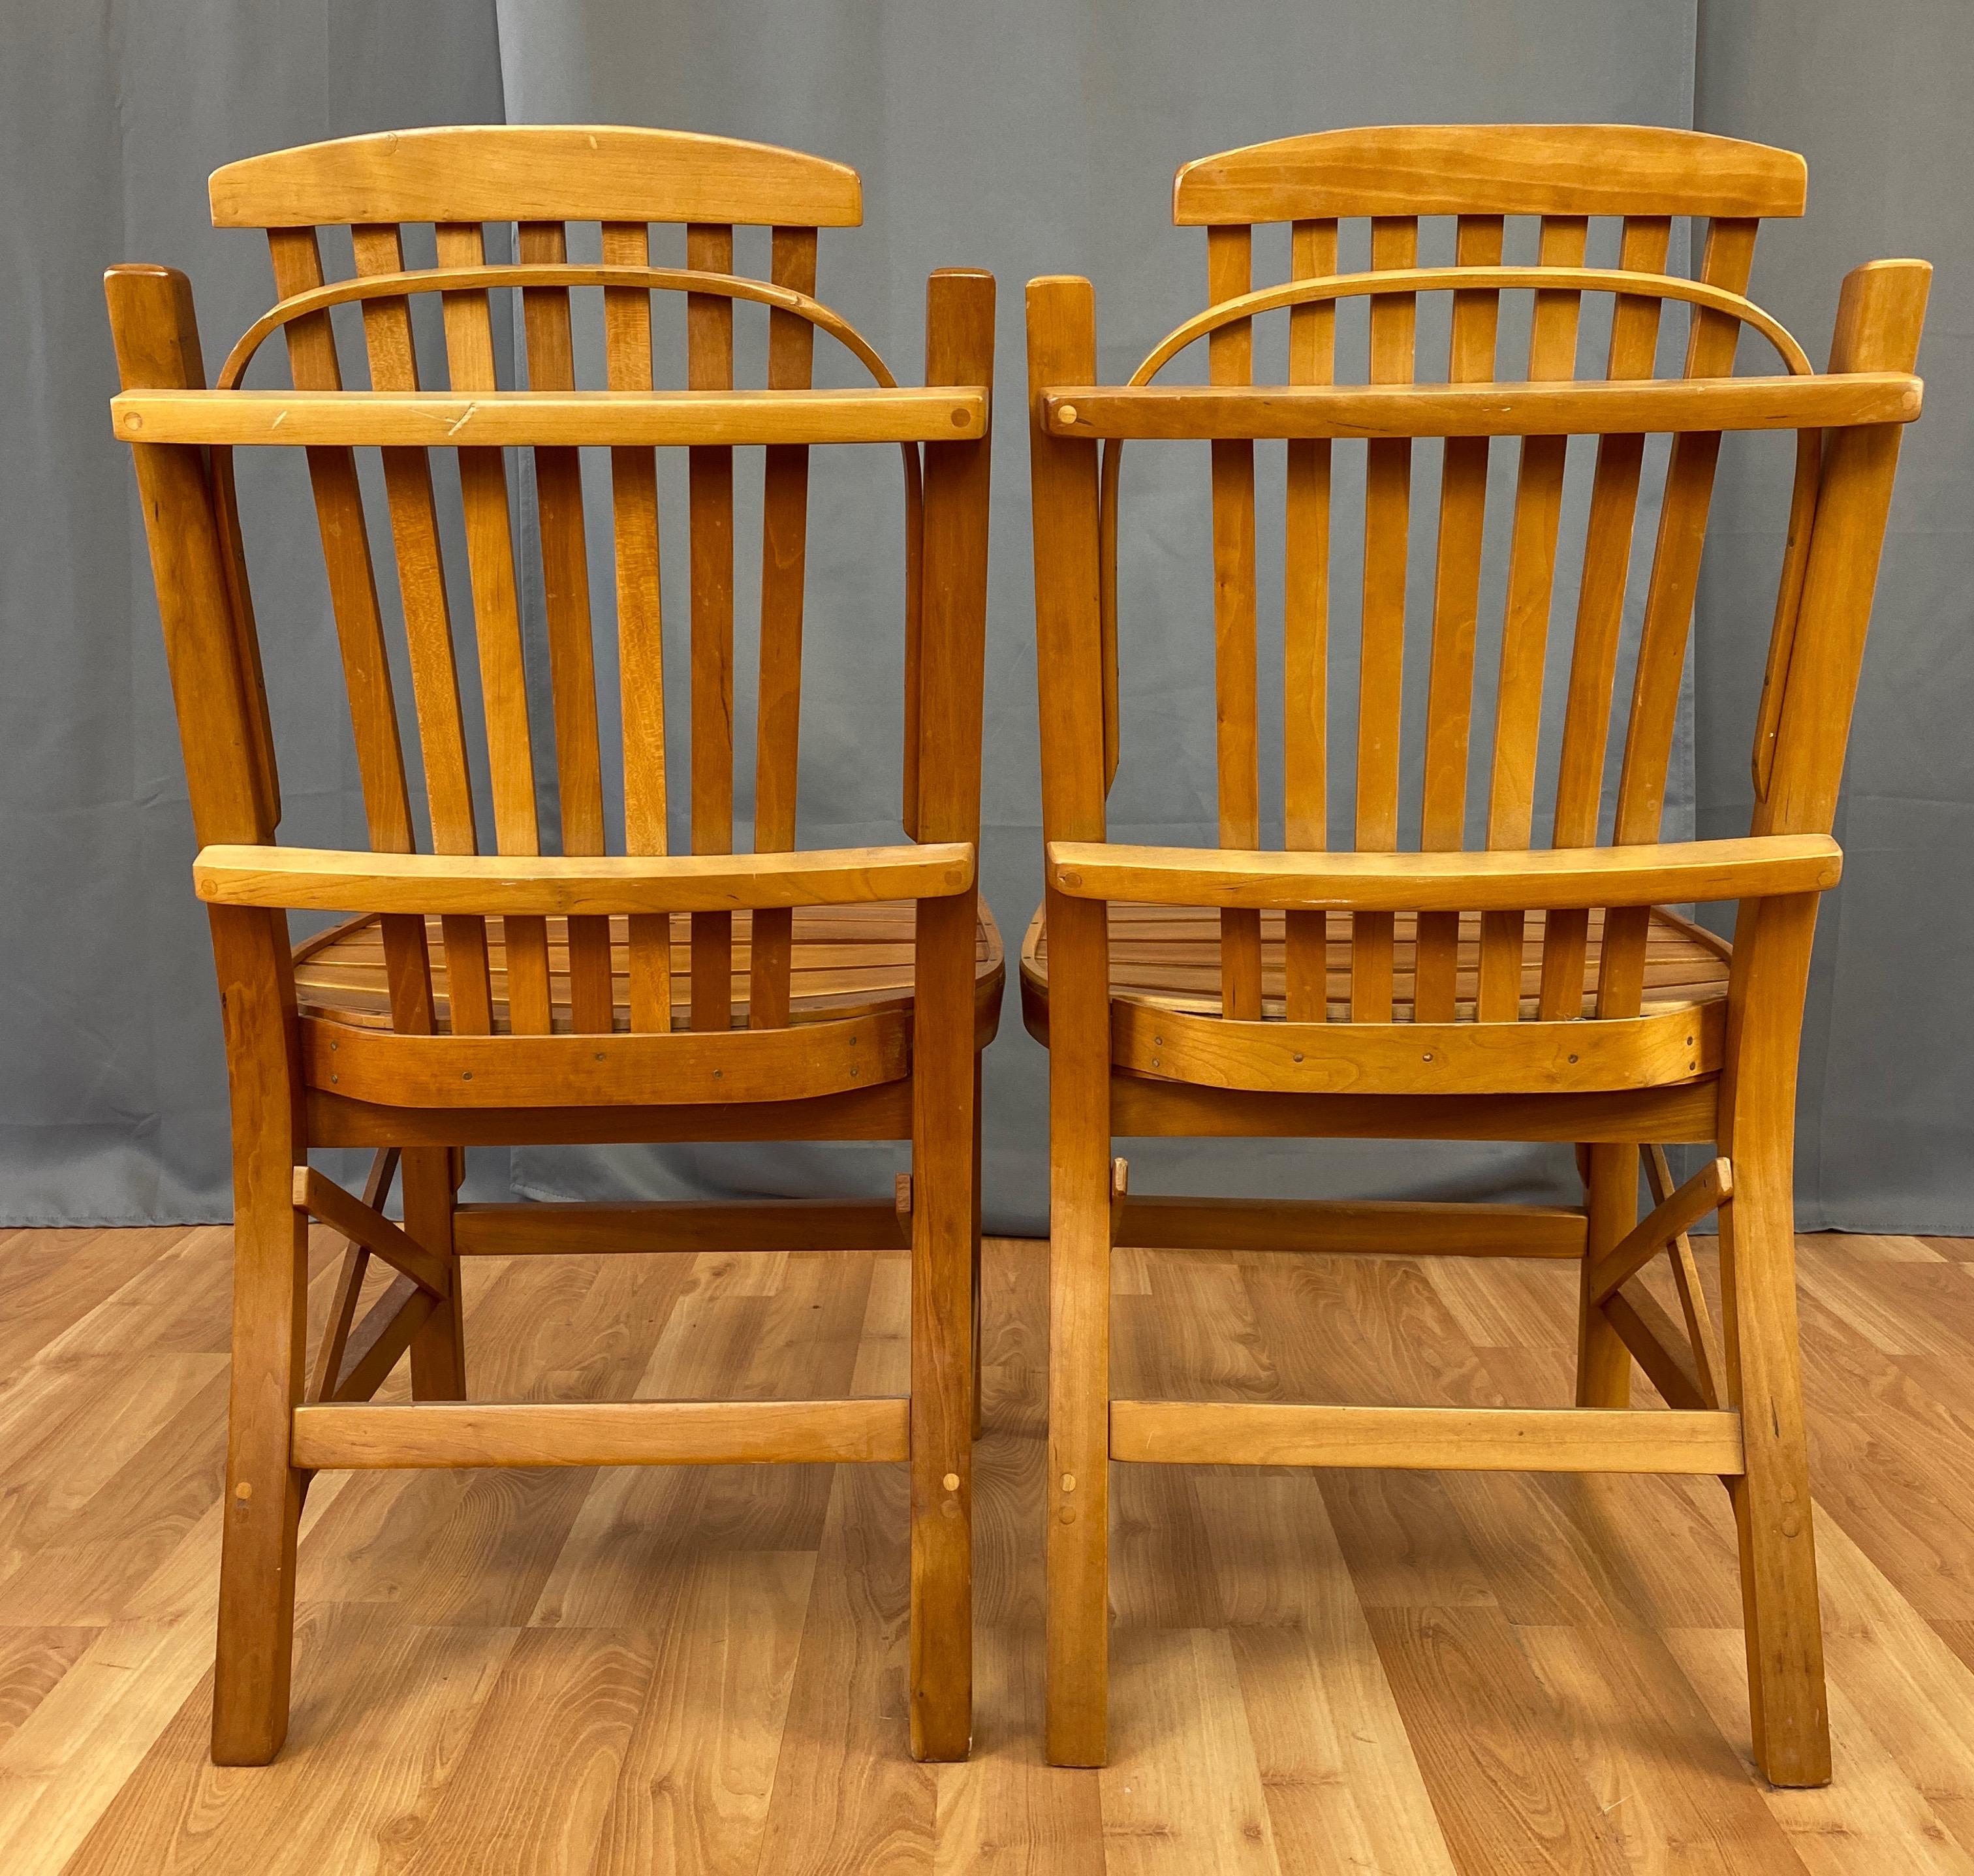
[(487, 992), (1442, 976), (843, 961), (1169, 956)]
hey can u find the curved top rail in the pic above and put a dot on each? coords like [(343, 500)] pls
[(562, 274), (1332, 287), (1428, 169), (549, 273), (1459, 279), (536, 172)]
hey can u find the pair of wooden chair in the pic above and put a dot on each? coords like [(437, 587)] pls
[(1375, 992)]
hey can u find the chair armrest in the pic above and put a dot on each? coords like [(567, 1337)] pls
[(319, 879), (1678, 872), (232, 419), (1169, 412)]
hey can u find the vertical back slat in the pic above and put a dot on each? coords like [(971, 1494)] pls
[(1456, 605), (571, 653), (1306, 624), (1525, 621), (1600, 608), (497, 615), (709, 364), (387, 331), (634, 495), (784, 547), (1229, 270), (352, 592), (1689, 492), (1381, 656)]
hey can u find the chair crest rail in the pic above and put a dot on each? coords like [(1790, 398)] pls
[(1490, 169), (540, 172)]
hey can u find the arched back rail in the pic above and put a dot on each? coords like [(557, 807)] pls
[(555, 274)]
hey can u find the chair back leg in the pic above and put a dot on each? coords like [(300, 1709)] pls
[(1077, 1489), (944, 1223), (1786, 1699), (1603, 1362), (438, 1350), (977, 1401)]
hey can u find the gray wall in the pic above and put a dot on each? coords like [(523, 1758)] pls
[(1026, 138), (1875, 98), (112, 1079)]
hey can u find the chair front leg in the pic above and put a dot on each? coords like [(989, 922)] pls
[(438, 1350), (263, 1492), (977, 1401), (1078, 1490), (944, 1236), (1603, 1362), (1786, 1698)]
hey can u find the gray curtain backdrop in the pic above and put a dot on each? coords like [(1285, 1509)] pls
[(1028, 139)]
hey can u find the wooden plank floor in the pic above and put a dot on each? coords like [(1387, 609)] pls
[(705, 1669)]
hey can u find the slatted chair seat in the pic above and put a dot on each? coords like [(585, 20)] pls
[(844, 961), (1169, 956)]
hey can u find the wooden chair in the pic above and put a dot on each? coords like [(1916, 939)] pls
[(1388, 992), (585, 996)]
